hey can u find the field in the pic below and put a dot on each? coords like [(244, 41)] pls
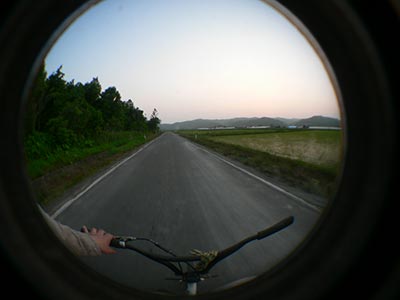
[(321, 147), (305, 158)]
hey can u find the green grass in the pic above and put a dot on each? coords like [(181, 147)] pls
[(53, 172), (307, 159), (111, 142)]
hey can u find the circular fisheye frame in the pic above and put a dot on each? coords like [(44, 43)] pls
[(351, 251), (242, 202)]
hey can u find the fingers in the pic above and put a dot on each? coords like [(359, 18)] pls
[(84, 229), (99, 232), (93, 231), (106, 237), (102, 239)]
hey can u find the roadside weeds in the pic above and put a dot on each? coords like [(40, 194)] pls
[(55, 183)]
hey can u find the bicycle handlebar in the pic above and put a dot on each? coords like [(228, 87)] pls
[(259, 236), (124, 242), (275, 228)]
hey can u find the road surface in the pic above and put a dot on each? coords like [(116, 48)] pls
[(186, 197)]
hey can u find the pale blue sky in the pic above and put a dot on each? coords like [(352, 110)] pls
[(197, 59)]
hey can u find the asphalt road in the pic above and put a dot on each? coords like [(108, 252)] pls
[(186, 197)]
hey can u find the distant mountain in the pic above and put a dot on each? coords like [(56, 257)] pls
[(318, 121), (235, 122), (193, 124), (288, 121), (251, 122)]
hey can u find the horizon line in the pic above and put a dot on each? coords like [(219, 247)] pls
[(221, 119)]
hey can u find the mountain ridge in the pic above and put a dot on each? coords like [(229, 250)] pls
[(240, 122)]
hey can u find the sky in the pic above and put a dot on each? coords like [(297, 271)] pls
[(209, 59)]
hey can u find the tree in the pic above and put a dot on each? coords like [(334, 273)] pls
[(92, 91), (154, 122), (67, 113), (52, 100), (135, 119), (111, 106), (35, 103)]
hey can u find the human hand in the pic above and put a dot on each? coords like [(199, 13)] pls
[(101, 238)]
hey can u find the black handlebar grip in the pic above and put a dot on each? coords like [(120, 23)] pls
[(115, 242), (275, 228)]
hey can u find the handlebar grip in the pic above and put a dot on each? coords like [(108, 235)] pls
[(115, 242), (275, 228)]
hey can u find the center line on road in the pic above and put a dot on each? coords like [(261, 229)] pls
[(304, 202)]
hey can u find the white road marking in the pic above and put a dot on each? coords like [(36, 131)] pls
[(69, 202), (304, 202)]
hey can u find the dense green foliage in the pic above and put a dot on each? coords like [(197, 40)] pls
[(66, 121), (43, 158)]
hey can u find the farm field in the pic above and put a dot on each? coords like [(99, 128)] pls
[(321, 147), (306, 158)]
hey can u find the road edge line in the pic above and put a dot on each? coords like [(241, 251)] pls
[(304, 202), (68, 203)]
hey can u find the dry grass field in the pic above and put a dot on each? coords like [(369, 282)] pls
[(320, 147), (306, 158)]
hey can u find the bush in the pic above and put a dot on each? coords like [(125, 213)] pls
[(38, 145), (62, 135)]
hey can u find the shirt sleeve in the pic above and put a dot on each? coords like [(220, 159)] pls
[(77, 242)]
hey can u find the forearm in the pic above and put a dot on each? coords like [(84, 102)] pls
[(79, 243)]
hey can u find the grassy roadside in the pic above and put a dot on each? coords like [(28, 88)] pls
[(61, 169), (310, 177)]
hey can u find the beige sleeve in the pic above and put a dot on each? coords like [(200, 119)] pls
[(79, 243)]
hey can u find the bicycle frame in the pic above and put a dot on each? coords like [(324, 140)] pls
[(198, 263)]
